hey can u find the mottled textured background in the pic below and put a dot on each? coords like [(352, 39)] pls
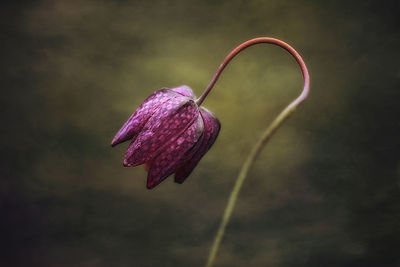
[(324, 192)]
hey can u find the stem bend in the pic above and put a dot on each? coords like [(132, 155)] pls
[(252, 42)]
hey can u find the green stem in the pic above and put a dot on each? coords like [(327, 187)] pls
[(276, 123)]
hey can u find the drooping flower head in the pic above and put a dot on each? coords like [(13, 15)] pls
[(169, 133)]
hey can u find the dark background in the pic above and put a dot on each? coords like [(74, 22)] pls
[(324, 192)]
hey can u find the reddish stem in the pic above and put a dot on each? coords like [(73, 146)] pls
[(255, 41)]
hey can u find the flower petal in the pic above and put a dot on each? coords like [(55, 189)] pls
[(138, 119), (185, 91), (211, 131), (170, 120), (173, 155)]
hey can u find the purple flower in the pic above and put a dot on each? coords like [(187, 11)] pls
[(169, 133)]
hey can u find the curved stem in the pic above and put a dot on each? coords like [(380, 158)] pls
[(265, 136), (255, 41)]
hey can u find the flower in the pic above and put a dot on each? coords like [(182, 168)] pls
[(169, 133)]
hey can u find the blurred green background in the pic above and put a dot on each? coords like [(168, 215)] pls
[(324, 192)]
